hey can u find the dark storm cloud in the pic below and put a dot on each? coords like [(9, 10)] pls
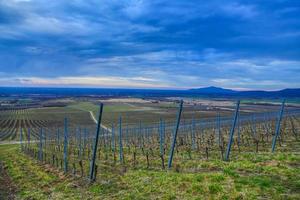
[(179, 44)]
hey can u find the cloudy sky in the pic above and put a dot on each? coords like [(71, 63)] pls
[(174, 44)]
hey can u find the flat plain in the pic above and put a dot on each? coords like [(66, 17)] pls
[(198, 171)]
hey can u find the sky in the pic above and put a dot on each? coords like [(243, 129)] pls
[(161, 44)]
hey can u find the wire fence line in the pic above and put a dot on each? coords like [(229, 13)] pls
[(83, 150)]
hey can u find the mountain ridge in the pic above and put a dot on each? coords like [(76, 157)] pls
[(288, 92), (211, 91)]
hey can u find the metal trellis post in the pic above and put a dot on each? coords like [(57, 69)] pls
[(278, 126), (93, 162), (193, 134), (120, 140), (41, 144), (175, 135), (232, 131), (66, 146), (161, 142), (21, 139)]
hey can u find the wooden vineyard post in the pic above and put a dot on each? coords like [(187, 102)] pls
[(278, 126), (219, 129), (126, 135), (239, 130), (103, 140), (66, 146), (161, 143), (253, 131), (45, 146), (80, 144), (84, 140), (112, 138), (21, 139), (161, 138), (175, 135), (93, 161), (28, 138), (232, 131), (193, 134), (41, 145), (164, 133), (120, 141), (57, 140), (113, 145), (140, 135)]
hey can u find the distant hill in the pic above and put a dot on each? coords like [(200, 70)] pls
[(213, 90), (290, 92)]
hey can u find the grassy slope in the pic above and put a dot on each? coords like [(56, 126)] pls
[(132, 112), (112, 111), (88, 106), (251, 177)]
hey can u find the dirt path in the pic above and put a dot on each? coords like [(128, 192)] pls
[(18, 142), (94, 119), (10, 142), (7, 188)]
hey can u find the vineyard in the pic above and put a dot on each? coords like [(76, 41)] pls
[(78, 143), (24, 122), (67, 144)]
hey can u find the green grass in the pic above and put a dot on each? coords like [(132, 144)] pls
[(116, 107), (36, 181), (85, 106), (252, 176), (270, 101)]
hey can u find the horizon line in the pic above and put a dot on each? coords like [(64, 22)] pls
[(140, 88)]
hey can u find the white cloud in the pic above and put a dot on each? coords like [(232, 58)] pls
[(239, 10), (101, 40), (135, 8), (85, 81), (17, 1), (250, 83)]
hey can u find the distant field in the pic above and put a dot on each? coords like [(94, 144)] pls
[(132, 110), (249, 174), (132, 113), (149, 112), (198, 170), (294, 101), (13, 121)]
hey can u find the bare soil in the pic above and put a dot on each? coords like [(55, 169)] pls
[(7, 188)]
